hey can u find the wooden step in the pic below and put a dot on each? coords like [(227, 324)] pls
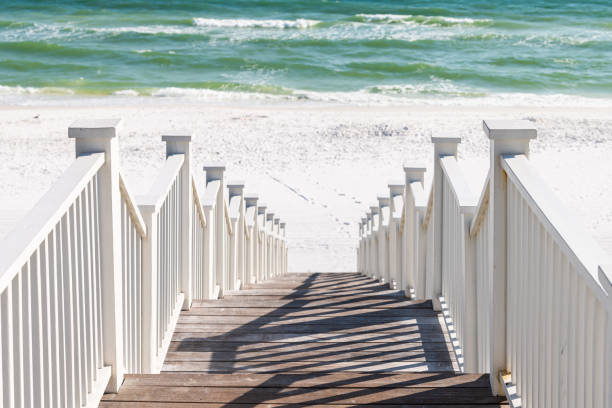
[(313, 340)]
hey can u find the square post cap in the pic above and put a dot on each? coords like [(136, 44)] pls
[(251, 199), (445, 145), (214, 171), (94, 128), (396, 188), (374, 209), (261, 208), (383, 201), (445, 140), (368, 216), (235, 188), (414, 173), (276, 220), (269, 216), (509, 129), (235, 183), (283, 225), (214, 166), (182, 137)]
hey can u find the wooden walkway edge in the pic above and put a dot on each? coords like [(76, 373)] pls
[(325, 339)]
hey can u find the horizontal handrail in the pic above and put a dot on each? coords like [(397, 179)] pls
[(133, 210), (17, 246), (156, 196), (556, 217)]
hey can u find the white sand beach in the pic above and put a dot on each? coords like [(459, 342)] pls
[(317, 165)]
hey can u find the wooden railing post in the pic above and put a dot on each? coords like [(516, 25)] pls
[(376, 273), (283, 235), (236, 191), (443, 146), (506, 137), (261, 243), (276, 241), (383, 242), (603, 273), (176, 144), (360, 250), (96, 136), (214, 172), (360, 247), (250, 200), (269, 242), (413, 236), (367, 251), (396, 270)]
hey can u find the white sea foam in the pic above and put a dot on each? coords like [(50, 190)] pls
[(252, 23), (440, 93), (31, 90), (126, 92), (418, 20), (153, 29)]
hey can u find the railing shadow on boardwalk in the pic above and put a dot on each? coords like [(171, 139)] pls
[(333, 344)]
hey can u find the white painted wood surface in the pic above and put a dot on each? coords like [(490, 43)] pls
[(92, 280), (524, 290)]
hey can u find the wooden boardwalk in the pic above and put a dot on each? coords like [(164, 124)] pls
[(323, 339)]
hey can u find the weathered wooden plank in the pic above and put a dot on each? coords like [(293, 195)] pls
[(355, 396), (415, 336), (325, 292), (269, 367), (313, 297), (312, 380), (128, 404), (360, 356), (385, 303), (309, 313), (347, 284), (354, 321), (375, 330), (289, 348)]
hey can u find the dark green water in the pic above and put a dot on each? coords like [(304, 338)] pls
[(307, 49)]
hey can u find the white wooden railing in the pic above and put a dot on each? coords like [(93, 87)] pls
[(524, 291), (92, 280)]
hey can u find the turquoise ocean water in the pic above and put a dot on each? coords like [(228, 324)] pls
[(313, 49)]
